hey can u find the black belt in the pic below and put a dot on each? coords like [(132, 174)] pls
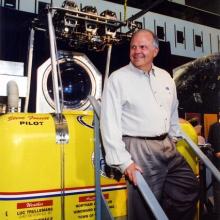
[(158, 138)]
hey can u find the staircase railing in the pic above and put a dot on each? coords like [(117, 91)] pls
[(102, 210)]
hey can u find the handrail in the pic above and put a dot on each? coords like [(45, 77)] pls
[(142, 185), (53, 55), (150, 198), (102, 211), (202, 156), (97, 168)]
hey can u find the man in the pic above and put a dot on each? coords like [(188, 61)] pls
[(214, 140), (139, 125), (198, 128)]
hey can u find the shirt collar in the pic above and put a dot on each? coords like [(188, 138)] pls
[(152, 71)]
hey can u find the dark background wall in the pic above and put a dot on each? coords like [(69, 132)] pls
[(14, 34)]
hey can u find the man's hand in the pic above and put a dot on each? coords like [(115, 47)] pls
[(130, 172)]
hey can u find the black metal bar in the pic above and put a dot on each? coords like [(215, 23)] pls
[(175, 33), (120, 16), (210, 41), (218, 44), (184, 31), (202, 41), (155, 31), (165, 31), (35, 7), (194, 47)]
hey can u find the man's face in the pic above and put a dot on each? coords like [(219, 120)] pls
[(142, 50)]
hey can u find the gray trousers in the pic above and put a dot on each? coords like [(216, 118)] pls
[(169, 177)]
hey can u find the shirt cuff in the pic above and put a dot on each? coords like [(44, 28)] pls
[(123, 166)]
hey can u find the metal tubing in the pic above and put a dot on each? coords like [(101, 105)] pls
[(108, 63), (54, 64), (29, 67), (202, 156), (102, 210), (96, 105), (58, 115), (97, 170), (62, 180)]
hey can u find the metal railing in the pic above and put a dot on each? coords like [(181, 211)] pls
[(202, 156), (102, 210)]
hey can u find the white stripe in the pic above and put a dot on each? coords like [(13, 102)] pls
[(89, 190)]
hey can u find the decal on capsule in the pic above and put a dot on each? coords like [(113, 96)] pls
[(84, 122)]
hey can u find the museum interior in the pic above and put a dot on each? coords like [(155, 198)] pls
[(56, 57)]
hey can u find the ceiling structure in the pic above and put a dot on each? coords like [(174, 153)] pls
[(201, 12), (207, 5)]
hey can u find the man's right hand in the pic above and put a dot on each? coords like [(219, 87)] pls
[(130, 172)]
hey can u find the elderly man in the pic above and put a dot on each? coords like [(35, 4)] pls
[(139, 126)]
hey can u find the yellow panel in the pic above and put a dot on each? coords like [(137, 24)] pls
[(185, 150), (31, 169)]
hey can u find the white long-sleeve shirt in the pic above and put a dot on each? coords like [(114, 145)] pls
[(136, 104)]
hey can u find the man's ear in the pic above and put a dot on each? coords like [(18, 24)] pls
[(156, 51)]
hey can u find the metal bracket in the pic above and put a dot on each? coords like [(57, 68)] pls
[(62, 131)]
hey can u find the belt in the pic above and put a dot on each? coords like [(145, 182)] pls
[(158, 138)]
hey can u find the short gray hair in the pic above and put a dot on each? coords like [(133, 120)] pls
[(155, 38)]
